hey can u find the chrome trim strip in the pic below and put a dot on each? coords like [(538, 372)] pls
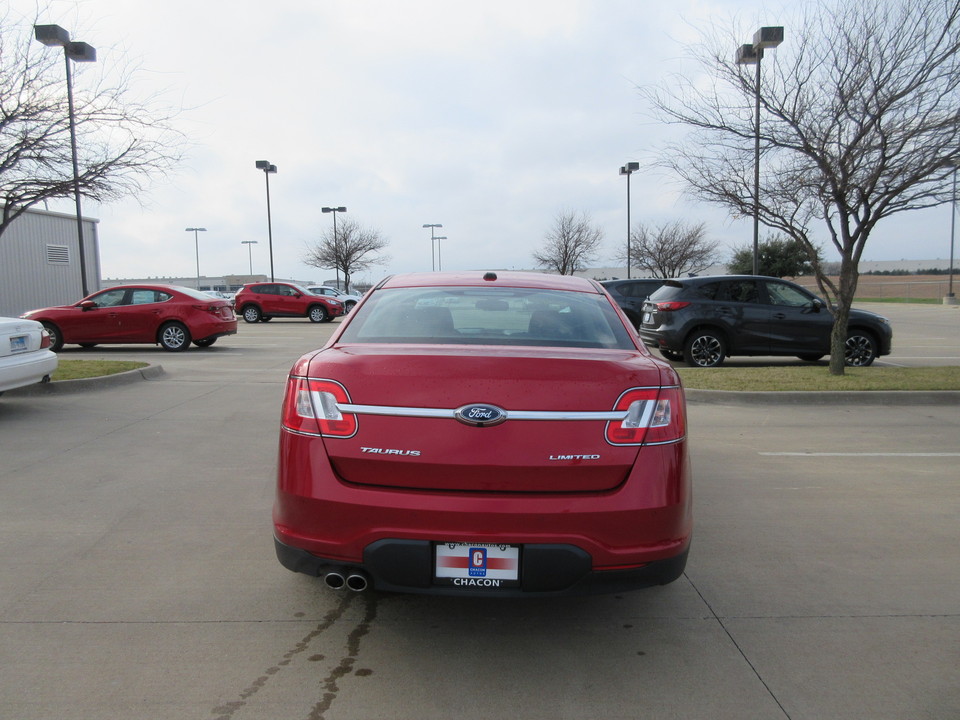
[(552, 415)]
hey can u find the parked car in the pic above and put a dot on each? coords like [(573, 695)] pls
[(348, 300), (630, 294), (25, 355), (259, 302), (497, 434), (704, 320), (167, 315)]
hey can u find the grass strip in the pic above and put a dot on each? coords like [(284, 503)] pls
[(818, 378), (81, 369)]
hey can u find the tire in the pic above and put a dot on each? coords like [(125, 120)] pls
[(672, 355), (87, 346), (318, 314), (174, 337), (810, 357), (205, 343), (252, 314), (56, 337), (348, 306), (860, 350), (705, 348)]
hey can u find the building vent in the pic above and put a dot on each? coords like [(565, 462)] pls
[(58, 254)]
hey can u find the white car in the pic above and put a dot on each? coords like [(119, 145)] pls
[(348, 300), (25, 355)]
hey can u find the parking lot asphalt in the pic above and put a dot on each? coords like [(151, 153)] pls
[(138, 577)]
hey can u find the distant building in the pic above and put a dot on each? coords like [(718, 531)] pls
[(40, 261)]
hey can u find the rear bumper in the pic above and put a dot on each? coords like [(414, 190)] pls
[(26, 369), (392, 565)]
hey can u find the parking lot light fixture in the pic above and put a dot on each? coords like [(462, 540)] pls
[(268, 169), (249, 244), (438, 239), (628, 170), (433, 265), (950, 298), (51, 35), (750, 54), (336, 243), (196, 243)]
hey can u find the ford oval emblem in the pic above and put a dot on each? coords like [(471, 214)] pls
[(480, 415)]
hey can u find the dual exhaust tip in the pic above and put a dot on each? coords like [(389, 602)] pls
[(355, 581)]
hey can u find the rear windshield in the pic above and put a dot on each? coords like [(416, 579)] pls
[(669, 290), (488, 316)]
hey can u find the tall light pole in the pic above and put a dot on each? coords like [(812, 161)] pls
[(433, 237), (249, 243), (336, 242), (78, 52), (951, 299), (765, 37), (267, 170), (196, 243), (629, 169), (438, 239)]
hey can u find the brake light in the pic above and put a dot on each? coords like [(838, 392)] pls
[(655, 416), (45, 339), (312, 407), (671, 305)]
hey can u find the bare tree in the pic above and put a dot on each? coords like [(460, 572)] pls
[(858, 124), (572, 243), (672, 249), (354, 248), (121, 141)]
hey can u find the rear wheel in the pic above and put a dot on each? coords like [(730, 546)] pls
[(860, 349), (252, 314), (705, 348), (174, 337), (56, 337), (205, 343), (672, 355), (810, 357), (317, 314)]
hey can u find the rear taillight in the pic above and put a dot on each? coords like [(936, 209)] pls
[(45, 339), (654, 416), (311, 407), (670, 306)]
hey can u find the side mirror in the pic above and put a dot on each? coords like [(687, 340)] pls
[(817, 305), (87, 305)]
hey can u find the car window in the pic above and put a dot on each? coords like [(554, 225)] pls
[(637, 289), (783, 294), (742, 291), (110, 298), (710, 291), (141, 296), (488, 316)]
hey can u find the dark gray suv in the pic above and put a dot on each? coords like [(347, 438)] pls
[(703, 320), (630, 295)]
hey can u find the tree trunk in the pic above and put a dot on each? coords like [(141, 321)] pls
[(849, 277)]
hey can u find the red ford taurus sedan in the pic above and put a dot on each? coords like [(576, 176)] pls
[(503, 434), (168, 315)]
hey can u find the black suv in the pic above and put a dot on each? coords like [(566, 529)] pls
[(703, 320), (630, 294)]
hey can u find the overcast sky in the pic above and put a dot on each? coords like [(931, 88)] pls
[(488, 117)]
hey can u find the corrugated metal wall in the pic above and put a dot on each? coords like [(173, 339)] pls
[(40, 261)]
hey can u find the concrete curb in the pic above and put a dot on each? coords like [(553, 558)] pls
[(861, 397), (151, 372)]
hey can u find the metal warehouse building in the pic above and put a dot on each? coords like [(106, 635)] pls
[(40, 261)]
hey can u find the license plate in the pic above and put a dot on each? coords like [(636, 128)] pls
[(477, 565), (646, 317), (18, 343)]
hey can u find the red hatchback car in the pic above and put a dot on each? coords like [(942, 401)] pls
[(502, 434), (167, 315)]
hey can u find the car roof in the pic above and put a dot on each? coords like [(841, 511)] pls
[(478, 278)]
